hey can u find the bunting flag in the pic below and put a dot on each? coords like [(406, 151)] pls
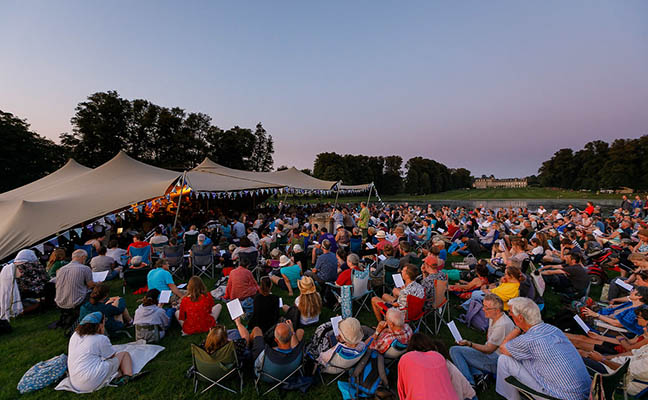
[(54, 242), (66, 235), (40, 248), (78, 231)]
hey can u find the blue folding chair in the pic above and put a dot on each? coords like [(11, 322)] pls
[(343, 360), (144, 252), (277, 368), (89, 249)]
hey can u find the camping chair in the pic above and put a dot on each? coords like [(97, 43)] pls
[(135, 278), (342, 361), (276, 371), (394, 352), (417, 261), (157, 248), (608, 384), (190, 241), (175, 257), (360, 291), (144, 252), (388, 270), (489, 246), (441, 305), (355, 245), (89, 249), (252, 257), (202, 260), (215, 368), (414, 311)]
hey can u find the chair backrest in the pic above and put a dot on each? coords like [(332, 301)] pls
[(159, 247), (416, 261), (252, 257), (190, 240), (150, 333), (136, 277), (440, 293), (415, 307), (360, 282), (355, 245), (173, 254), (144, 252), (214, 366), (343, 358), (202, 255), (89, 249), (396, 349), (611, 381), (278, 365)]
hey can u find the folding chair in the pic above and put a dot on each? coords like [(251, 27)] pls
[(157, 248), (190, 241), (276, 371), (89, 249), (343, 360), (414, 311), (215, 368), (440, 305), (360, 291), (175, 257), (355, 245), (144, 252), (135, 278), (395, 351), (389, 269), (202, 260)]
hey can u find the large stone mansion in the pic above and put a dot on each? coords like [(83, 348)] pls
[(489, 183)]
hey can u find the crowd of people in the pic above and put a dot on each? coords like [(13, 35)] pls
[(508, 258)]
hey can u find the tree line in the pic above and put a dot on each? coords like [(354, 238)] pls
[(599, 165), (106, 123), (422, 175)]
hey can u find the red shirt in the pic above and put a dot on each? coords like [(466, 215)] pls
[(197, 315), (241, 284), (344, 278), (452, 229)]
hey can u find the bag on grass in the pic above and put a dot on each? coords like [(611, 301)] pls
[(364, 386), (43, 374)]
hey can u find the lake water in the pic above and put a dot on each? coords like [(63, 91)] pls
[(607, 205)]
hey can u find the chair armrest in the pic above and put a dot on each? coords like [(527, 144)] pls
[(527, 390)]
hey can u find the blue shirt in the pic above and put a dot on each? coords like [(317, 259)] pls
[(627, 317), (293, 273), (552, 361), (239, 230), (326, 267), (159, 279)]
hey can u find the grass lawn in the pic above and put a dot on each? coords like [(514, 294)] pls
[(31, 342)]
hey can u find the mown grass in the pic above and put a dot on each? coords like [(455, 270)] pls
[(31, 342)]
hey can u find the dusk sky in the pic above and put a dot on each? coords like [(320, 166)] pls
[(493, 86)]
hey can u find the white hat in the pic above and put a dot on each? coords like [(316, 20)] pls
[(284, 261), (26, 256), (381, 234), (338, 226), (297, 248)]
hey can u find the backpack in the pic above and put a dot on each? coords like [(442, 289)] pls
[(366, 385), (149, 333), (320, 341), (43, 374)]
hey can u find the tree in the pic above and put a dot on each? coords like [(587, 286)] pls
[(282, 168), (261, 158), (392, 178), (307, 171), (26, 156)]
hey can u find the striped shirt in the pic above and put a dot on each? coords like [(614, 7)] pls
[(553, 362), (72, 284)]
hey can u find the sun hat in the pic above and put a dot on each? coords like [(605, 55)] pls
[(306, 285), (284, 261), (381, 234), (92, 318), (351, 331), (275, 252), (297, 248), (26, 256), (338, 226)]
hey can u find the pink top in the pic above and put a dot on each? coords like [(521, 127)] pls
[(424, 376)]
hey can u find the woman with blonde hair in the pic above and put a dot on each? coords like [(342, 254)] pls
[(218, 337), (56, 261), (308, 304), (197, 311)]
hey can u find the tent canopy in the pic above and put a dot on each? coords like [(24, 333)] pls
[(54, 205), (291, 177), (69, 171)]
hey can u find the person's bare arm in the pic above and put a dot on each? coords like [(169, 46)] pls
[(487, 348), (242, 331), (175, 290), (288, 285), (512, 335)]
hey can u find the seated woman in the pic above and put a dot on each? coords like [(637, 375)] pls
[(218, 337), (56, 261), (623, 315), (308, 304), (197, 311), (113, 309), (426, 372), (266, 307), (464, 288), (431, 272), (92, 361), (150, 314), (638, 368), (33, 281), (349, 336), (508, 288), (288, 275)]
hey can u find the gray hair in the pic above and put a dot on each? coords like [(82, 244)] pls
[(326, 244), (79, 255), (395, 316), (353, 259), (527, 309), (495, 300)]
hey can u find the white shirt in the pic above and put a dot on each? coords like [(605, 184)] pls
[(87, 363), (116, 254)]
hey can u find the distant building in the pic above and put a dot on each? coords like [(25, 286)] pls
[(624, 190), (489, 183)]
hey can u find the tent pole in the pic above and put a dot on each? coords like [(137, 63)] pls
[(337, 192), (282, 203), (175, 221), (370, 190)]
